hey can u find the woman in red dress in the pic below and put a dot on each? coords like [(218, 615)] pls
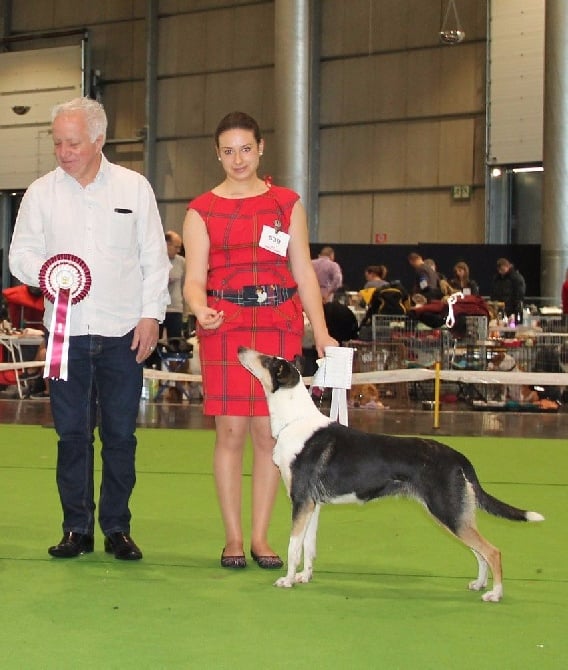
[(249, 276)]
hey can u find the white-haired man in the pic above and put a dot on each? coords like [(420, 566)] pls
[(100, 223)]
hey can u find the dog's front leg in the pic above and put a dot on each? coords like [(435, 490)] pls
[(300, 521), (309, 548)]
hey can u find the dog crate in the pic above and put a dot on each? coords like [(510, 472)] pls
[(379, 357), (544, 352), (552, 323), (550, 352), (469, 352), (421, 346)]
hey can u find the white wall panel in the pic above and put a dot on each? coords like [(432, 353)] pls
[(37, 79), (516, 79)]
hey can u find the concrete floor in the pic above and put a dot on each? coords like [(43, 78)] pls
[(404, 417)]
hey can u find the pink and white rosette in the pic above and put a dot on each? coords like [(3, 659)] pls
[(64, 280)]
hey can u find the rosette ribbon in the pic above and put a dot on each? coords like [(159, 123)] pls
[(64, 280)]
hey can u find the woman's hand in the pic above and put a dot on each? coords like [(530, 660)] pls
[(208, 318), (325, 341)]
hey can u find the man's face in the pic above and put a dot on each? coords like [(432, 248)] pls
[(503, 269), (174, 247), (76, 154)]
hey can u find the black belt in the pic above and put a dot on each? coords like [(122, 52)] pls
[(263, 295)]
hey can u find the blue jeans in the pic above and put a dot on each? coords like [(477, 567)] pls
[(103, 388)]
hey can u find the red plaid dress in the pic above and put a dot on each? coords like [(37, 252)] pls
[(236, 260)]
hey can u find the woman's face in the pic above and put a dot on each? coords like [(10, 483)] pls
[(460, 272), (239, 153)]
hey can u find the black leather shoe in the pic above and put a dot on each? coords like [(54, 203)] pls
[(72, 545), (122, 546)]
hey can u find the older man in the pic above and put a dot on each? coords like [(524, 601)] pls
[(93, 228)]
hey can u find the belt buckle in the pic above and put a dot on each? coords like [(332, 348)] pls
[(254, 295)]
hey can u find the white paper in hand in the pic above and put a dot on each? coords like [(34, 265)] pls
[(335, 371)]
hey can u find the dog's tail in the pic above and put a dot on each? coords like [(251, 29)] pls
[(497, 507), (492, 505)]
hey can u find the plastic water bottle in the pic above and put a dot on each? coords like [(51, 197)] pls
[(153, 387), (145, 389)]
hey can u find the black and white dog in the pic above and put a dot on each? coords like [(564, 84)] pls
[(324, 462)]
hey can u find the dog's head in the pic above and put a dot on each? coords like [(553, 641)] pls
[(272, 372), (364, 394)]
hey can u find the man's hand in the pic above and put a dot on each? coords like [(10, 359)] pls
[(145, 338)]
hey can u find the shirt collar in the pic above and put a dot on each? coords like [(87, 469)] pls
[(60, 174)]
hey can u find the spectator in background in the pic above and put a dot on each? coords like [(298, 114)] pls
[(509, 288), (173, 321), (426, 281), (461, 280), (443, 283), (375, 276), (328, 272)]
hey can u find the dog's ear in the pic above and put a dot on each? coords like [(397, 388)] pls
[(283, 373), (299, 362)]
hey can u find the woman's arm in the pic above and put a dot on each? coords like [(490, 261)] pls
[(196, 243)]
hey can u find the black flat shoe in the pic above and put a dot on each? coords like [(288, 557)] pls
[(267, 562), (72, 545), (235, 562), (122, 546)]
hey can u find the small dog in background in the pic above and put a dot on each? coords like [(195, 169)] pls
[(503, 362), (365, 396)]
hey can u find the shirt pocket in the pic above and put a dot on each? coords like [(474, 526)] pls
[(121, 229)]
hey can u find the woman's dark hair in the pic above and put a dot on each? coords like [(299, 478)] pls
[(239, 120)]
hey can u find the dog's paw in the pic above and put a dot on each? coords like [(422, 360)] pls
[(493, 596), (477, 585), (304, 577), (284, 583)]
